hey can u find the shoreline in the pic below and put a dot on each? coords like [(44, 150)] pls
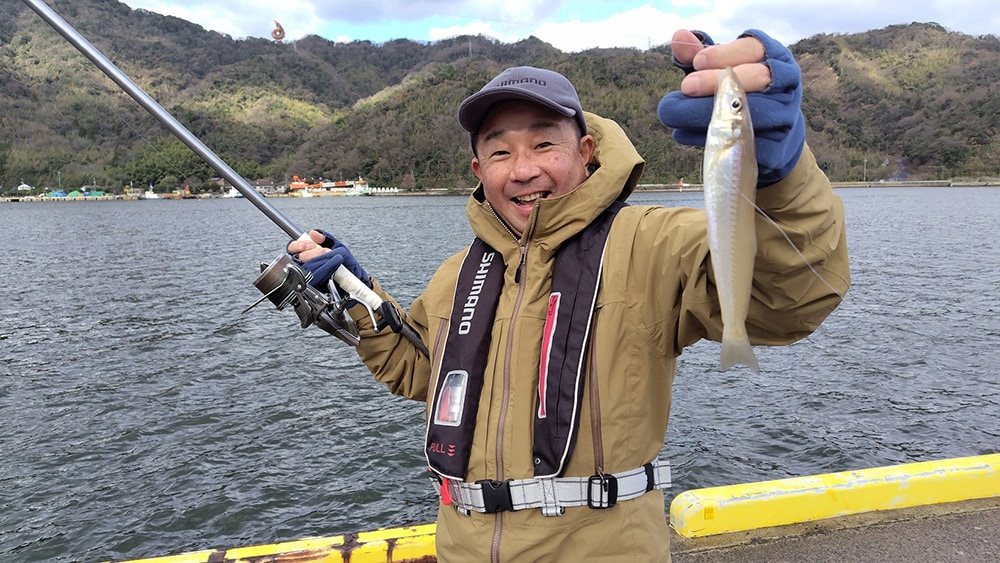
[(641, 188)]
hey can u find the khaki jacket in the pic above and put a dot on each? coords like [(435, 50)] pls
[(657, 296)]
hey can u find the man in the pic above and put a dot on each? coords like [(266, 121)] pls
[(553, 339)]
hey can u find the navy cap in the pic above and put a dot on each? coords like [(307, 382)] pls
[(538, 85)]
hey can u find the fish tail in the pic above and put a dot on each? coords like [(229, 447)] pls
[(736, 350)]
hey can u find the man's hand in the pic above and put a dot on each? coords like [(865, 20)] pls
[(770, 76), (308, 248), (321, 254), (745, 56)]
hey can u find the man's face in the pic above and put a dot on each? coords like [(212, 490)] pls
[(527, 152)]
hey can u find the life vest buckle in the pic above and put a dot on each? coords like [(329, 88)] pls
[(602, 491), (496, 496)]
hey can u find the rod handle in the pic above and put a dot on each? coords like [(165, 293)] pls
[(357, 288)]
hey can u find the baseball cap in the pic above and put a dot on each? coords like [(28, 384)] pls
[(545, 87)]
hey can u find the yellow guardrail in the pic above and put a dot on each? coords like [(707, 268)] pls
[(392, 545), (696, 513), (735, 508)]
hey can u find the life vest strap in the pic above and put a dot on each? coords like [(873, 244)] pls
[(554, 494)]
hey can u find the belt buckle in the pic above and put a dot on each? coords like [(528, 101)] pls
[(606, 487), (496, 495)]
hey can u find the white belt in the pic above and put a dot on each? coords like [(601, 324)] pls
[(554, 494)]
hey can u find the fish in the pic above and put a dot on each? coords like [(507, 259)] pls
[(730, 180)]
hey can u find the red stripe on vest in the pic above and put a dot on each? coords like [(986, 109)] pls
[(543, 366)]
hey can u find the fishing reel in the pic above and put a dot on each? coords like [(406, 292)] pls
[(283, 282)]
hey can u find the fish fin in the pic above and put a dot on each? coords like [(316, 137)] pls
[(738, 351)]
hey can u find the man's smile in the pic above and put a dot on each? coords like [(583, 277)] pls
[(529, 199)]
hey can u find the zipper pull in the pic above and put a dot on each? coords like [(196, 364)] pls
[(520, 266)]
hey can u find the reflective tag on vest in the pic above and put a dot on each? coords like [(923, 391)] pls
[(452, 403)]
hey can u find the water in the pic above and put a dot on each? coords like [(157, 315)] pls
[(142, 414)]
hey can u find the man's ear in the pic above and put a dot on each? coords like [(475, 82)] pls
[(477, 169), (587, 147)]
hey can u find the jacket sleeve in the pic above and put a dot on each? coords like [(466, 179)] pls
[(798, 280), (392, 359)]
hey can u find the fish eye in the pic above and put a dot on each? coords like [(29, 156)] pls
[(736, 105)]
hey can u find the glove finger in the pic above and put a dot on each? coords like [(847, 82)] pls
[(323, 267), (329, 241)]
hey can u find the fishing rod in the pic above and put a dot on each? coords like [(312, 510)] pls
[(283, 282)]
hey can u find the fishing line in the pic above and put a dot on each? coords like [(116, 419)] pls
[(792, 244), (692, 43)]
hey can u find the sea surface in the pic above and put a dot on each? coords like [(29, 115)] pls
[(143, 413)]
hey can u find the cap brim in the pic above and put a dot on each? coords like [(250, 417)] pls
[(473, 111)]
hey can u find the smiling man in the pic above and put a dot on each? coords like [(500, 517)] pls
[(553, 337), (529, 137)]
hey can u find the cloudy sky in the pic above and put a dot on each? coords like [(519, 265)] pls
[(570, 26)]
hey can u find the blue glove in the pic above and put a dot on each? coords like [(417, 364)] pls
[(778, 124), (322, 267)]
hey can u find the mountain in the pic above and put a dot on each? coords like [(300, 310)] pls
[(911, 100)]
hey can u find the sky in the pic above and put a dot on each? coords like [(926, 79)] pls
[(570, 26)]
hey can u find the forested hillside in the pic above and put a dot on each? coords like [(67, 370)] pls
[(910, 101)]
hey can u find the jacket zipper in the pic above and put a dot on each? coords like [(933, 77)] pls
[(501, 421), (519, 277)]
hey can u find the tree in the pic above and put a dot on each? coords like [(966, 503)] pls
[(409, 182), (165, 158)]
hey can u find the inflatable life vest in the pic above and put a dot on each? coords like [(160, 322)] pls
[(575, 283)]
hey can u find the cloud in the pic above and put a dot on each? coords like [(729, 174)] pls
[(571, 26)]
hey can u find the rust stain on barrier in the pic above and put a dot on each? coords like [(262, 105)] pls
[(351, 542)]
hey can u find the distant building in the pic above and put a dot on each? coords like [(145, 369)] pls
[(261, 185)]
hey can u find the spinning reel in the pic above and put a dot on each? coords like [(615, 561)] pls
[(284, 282)]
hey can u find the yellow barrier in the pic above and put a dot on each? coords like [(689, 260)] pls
[(734, 508), (395, 545), (696, 513)]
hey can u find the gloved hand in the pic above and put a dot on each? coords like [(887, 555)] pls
[(323, 266), (778, 124)]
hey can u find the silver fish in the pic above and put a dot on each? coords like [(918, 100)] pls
[(730, 175)]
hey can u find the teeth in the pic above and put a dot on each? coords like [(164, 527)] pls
[(530, 197)]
